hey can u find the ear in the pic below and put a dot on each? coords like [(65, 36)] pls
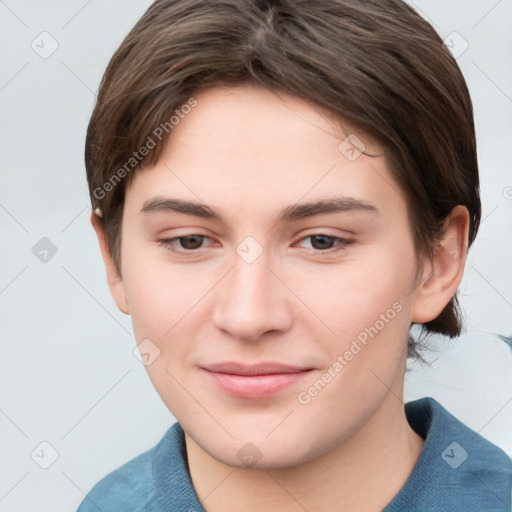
[(442, 274), (115, 281)]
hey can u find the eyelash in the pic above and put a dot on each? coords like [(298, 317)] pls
[(169, 243)]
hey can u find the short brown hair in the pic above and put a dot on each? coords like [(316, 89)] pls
[(375, 63)]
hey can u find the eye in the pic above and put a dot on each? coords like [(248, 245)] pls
[(188, 243), (192, 243), (323, 243)]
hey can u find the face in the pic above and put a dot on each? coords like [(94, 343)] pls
[(275, 309)]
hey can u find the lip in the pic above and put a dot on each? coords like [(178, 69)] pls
[(260, 380)]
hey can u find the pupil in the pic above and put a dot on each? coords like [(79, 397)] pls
[(325, 241), (196, 241)]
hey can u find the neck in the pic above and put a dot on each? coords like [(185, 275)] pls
[(363, 473)]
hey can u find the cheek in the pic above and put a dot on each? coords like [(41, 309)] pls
[(354, 295), (163, 299), (160, 293), (368, 308)]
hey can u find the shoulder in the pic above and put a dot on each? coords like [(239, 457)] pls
[(458, 469), (131, 487), (468, 448)]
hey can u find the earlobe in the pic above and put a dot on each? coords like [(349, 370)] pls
[(115, 281), (443, 273)]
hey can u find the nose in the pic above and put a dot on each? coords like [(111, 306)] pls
[(252, 301)]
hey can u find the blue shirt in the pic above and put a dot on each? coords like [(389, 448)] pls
[(458, 470)]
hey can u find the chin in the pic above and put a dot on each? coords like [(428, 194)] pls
[(255, 449)]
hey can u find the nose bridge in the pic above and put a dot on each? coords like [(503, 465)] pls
[(251, 279), (250, 275), (250, 288)]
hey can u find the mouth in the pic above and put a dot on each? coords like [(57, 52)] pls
[(254, 381)]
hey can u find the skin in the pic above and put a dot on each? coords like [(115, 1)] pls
[(247, 153)]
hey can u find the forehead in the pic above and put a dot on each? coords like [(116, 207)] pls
[(251, 149), (275, 115)]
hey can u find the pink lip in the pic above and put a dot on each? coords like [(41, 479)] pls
[(253, 381)]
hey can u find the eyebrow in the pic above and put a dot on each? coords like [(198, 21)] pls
[(289, 213)]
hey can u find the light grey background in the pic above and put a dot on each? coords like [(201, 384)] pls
[(68, 376)]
